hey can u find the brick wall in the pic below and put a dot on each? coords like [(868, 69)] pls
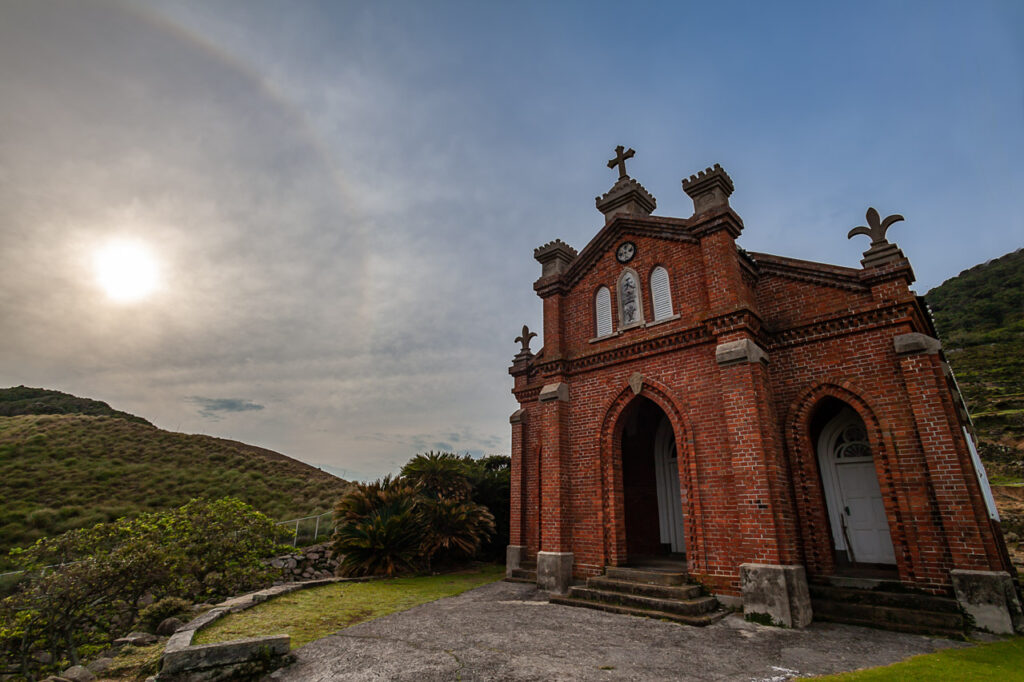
[(747, 465)]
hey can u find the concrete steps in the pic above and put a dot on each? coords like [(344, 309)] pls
[(526, 573), (666, 595), (888, 609)]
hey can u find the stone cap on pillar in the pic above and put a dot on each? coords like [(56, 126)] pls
[(554, 257), (710, 188), (627, 196)]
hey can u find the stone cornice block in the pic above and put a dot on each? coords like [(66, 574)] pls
[(517, 416), (736, 352), (914, 342), (556, 391)]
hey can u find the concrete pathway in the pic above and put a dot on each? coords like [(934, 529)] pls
[(508, 631)]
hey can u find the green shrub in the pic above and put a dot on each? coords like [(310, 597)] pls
[(385, 542), (154, 614)]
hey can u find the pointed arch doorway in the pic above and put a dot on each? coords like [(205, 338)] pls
[(653, 497)]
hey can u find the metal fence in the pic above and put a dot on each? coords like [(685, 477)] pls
[(309, 529)]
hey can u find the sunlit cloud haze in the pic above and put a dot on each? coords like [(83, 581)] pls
[(342, 198)]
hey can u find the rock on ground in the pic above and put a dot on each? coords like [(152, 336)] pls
[(78, 673)]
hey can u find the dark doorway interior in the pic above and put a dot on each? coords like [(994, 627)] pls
[(639, 484)]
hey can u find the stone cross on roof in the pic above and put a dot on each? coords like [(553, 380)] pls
[(620, 160)]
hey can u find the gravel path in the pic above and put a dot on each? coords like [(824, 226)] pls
[(507, 631)]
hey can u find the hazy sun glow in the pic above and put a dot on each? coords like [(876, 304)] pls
[(126, 270)]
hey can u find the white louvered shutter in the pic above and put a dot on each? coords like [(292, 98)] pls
[(603, 310), (660, 294)]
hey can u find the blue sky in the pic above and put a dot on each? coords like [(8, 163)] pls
[(344, 197)]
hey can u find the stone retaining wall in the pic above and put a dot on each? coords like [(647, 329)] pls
[(315, 562), (238, 659)]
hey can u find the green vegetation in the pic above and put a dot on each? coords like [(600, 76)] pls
[(24, 400), (429, 513), (60, 472), (310, 614), (979, 315), (84, 588), (997, 662)]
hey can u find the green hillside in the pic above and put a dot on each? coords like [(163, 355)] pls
[(979, 315), (62, 471), (25, 400)]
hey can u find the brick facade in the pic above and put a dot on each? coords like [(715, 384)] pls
[(755, 346)]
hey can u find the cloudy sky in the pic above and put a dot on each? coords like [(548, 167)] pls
[(340, 200)]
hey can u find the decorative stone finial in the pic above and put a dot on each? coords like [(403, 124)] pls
[(620, 160), (881, 251), (554, 257), (524, 339), (710, 188)]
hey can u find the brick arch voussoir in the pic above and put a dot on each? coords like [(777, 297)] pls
[(803, 455)]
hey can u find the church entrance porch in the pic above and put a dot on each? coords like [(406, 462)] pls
[(652, 495)]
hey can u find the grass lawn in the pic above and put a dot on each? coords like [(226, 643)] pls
[(998, 662), (310, 614)]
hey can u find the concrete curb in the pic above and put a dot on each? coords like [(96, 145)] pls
[(183, 661)]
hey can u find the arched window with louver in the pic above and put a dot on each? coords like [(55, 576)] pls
[(661, 296), (603, 311)]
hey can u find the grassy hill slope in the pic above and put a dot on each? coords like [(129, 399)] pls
[(979, 315), (25, 400), (60, 471)]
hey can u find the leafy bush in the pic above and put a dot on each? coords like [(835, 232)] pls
[(84, 587), (384, 542), (154, 614), (432, 512)]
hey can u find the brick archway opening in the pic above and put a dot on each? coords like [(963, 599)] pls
[(649, 500)]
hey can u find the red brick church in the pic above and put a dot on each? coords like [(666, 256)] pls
[(767, 425)]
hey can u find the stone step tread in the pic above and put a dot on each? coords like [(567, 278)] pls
[(631, 587), (693, 606), (514, 579), (909, 600), (886, 615), (648, 576), (696, 620), (951, 633), (524, 573)]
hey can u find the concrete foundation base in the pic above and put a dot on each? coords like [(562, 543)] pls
[(990, 599), (513, 558), (776, 595), (554, 571)]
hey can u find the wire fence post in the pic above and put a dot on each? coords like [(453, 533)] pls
[(316, 531), (295, 540)]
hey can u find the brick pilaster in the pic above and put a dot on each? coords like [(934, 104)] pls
[(765, 516), (554, 469), (957, 493)]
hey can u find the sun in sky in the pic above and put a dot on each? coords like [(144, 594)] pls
[(126, 270)]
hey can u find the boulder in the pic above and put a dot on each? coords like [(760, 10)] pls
[(168, 626), (137, 639), (100, 665), (78, 673)]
